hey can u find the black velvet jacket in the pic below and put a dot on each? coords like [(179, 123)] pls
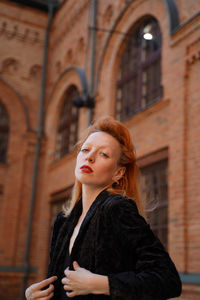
[(114, 240)]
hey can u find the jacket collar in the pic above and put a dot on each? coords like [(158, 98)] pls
[(93, 208), (67, 229)]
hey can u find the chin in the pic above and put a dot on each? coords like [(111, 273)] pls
[(82, 179)]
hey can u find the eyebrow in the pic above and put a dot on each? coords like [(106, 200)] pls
[(100, 146)]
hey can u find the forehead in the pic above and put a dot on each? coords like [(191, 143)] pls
[(102, 139)]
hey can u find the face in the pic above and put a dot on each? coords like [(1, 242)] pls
[(97, 162)]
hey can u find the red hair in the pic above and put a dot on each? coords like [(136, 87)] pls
[(128, 185)]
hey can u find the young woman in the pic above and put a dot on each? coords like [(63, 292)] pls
[(102, 247)]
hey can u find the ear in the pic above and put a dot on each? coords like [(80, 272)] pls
[(119, 173)]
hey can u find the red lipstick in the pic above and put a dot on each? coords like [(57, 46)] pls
[(86, 169)]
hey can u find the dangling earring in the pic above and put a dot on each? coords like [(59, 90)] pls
[(116, 182)]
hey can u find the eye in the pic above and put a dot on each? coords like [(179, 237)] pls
[(104, 154), (84, 150)]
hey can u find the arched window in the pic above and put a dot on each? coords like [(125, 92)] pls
[(4, 133), (67, 124), (139, 76)]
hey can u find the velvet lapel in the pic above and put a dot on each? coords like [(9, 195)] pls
[(93, 208), (68, 228), (64, 235)]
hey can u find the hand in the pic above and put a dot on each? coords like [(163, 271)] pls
[(77, 282), (35, 290)]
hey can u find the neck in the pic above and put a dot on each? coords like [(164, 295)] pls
[(89, 194)]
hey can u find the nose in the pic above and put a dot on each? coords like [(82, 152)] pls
[(90, 157)]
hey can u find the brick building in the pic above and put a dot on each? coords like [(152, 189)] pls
[(137, 60)]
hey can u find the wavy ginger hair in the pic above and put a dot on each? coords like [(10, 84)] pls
[(128, 185)]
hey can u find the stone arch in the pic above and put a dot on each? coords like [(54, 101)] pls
[(173, 15), (8, 92), (71, 76), (67, 123), (19, 123), (133, 93), (174, 24), (110, 58), (76, 72)]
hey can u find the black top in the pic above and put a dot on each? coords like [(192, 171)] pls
[(66, 264), (115, 240)]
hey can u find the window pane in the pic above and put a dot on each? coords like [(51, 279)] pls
[(154, 185), (139, 75), (68, 124)]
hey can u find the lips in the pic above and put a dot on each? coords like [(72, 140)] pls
[(86, 169)]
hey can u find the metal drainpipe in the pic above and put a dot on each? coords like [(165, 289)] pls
[(93, 54), (36, 156)]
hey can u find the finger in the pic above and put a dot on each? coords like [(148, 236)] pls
[(68, 272), (75, 265), (71, 294), (67, 287), (47, 298), (51, 296), (46, 292), (65, 280), (45, 282)]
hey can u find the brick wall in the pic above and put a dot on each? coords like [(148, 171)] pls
[(172, 123)]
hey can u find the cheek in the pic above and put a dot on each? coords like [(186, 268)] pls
[(78, 162), (108, 168), (78, 158), (77, 170)]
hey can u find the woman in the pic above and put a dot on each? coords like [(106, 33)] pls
[(102, 248)]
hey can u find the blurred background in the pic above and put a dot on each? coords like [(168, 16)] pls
[(64, 64)]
